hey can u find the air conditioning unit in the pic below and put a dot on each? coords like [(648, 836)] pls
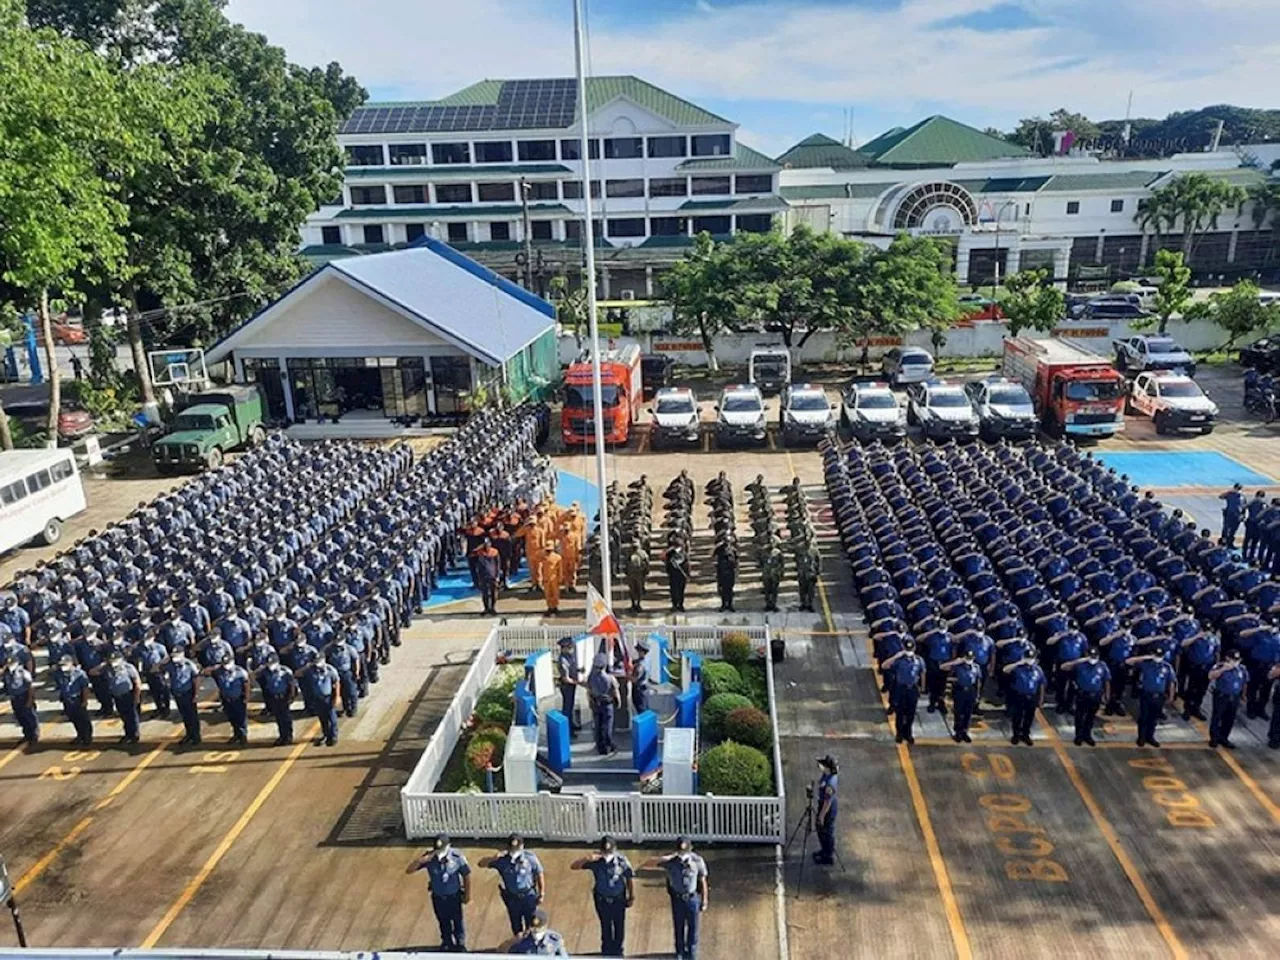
[(627, 295)]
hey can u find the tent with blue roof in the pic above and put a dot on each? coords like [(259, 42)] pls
[(413, 332)]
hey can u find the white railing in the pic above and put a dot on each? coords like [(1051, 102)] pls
[(585, 817)]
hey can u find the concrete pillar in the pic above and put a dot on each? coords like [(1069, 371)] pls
[(1097, 250), (962, 263), (604, 283), (1231, 246), (648, 280), (287, 383)]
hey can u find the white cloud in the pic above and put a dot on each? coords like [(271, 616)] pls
[(1177, 54)]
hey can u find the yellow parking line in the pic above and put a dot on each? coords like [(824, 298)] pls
[(11, 756), (1113, 841), (228, 841), (1250, 784)]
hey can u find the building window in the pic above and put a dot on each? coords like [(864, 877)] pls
[(408, 154), (710, 186), (453, 193), (573, 231), (1073, 207), (572, 149), (711, 145), (623, 148), (572, 189), (496, 192), (717, 226), (627, 227), (366, 156), (412, 193), (457, 232), (668, 226), (624, 188), (753, 183), (536, 150), (1117, 206), (543, 190), (414, 231), (668, 147), (363, 196), (755, 222), (450, 153), (1026, 210), (331, 236), (541, 229), (373, 233), (669, 187), (500, 231), (493, 151)]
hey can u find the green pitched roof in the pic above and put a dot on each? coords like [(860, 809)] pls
[(819, 150), (601, 90), (468, 211), (836, 191), (1124, 180), (745, 205), (483, 93), (744, 158), (937, 141)]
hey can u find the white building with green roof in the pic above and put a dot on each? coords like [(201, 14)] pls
[(1074, 215), (458, 168)]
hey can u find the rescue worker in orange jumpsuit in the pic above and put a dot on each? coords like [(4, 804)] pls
[(551, 569), (570, 557)]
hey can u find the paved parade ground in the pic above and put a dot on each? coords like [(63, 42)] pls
[(945, 849)]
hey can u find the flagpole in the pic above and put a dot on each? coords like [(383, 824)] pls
[(589, 240)]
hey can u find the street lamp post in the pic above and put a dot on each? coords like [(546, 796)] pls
[(528, 241), (995, 282)]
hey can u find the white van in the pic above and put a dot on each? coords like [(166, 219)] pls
[(39, 489)]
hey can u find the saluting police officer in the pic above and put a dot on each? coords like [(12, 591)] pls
[(449, 880), (966, 678), (613, 890), (1230, 679), (523, 883), (687, 887), (1092, 678), (539, 940)]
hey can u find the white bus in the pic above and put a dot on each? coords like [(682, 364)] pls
[(39, 489)]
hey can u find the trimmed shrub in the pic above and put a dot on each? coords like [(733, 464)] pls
[(721, 677), (717, 709), (494, 712), (486, 750), (496, 703), (735, 770), (757, 686), (736, 648), (750, 726)]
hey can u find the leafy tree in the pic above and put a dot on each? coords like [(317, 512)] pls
[(572, 306), (1265, 198), (1193, 201), (702, 294), (1037, 133), (1240, 313), (1031, 302), (1173, 294)]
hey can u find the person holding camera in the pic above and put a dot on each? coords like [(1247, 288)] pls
[(614, 893), (449, 880), (828, 807)]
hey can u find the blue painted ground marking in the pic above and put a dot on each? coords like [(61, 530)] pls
[(1191, 468)]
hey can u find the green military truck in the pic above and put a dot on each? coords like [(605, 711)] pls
[(211, 424)]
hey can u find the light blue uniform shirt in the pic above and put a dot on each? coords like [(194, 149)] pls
[(121, 677), (611, 875), (517, 871), (446, 873), (682, 874), (182, 676)]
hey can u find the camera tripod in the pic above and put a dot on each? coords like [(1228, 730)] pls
[(806, 822)]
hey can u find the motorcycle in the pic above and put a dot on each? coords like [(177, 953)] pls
[(1261, 403)]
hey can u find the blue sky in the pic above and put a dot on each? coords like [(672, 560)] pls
[(788, 68)]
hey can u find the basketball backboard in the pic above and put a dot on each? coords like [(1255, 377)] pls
[(178, 367)]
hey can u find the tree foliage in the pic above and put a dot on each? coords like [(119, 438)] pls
[(1193, 203), (1037, 133), (1030, 301), (1173, 294), (701, 287), (1240, 313)]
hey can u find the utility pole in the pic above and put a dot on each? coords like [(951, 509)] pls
[(528, 240), (7, 895)]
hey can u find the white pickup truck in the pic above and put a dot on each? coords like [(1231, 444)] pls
[(1136, 354), (1173, 402)]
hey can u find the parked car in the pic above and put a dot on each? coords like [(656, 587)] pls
[(1111, 308), (942, 410), (740, 415), (73, 420), (903, 365), (1262, 355), (871, 411), (1173, 401), (1136, 354), (675, 418), (655, 373), (805, 414), (1004, 408), (65, 333)]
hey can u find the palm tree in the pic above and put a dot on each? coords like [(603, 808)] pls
[(1266, 203), (1194, 200)]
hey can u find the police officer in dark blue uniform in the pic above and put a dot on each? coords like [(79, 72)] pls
[(640, 679), (828, 809), (1155, 684), (1230, 679), (1252, 525), (966, 679), (613, 890), (687, 887), (539, 940), (278, 688), (523, 882), (602, 689), (1092, 680), (906, 670), (449, 880), (569, 676), (1026, 694), (73, 690)]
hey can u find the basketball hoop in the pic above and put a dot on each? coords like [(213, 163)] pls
[(182, 367)]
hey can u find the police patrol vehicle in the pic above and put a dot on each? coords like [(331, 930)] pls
[(1004, 408), (1173, 401), (740, 415), (942, 410), (805, 413), (870, 410), (675, 417), (1136, 354)]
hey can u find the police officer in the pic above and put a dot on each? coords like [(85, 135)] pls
[(570, 677), (639, 678), (613, 890), (449, 880), (602, 689), (1156, 682), (150, 656), (19, 687), (1092, 680), (1273, 731), (1026, 694), (539, 940), (184, 682), (73, 691), (346, 661), (1230, 679), (1232, 511), (637, 572), (906, 671), (233, 690), (808, 569), (126, 692), (523, 882), (966, 679), (1199, 654), (279, 688), (324, 682), (828, 808), (687, 887)]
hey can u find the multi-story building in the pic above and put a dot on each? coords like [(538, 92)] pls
[(1073, 215), (499, 161)]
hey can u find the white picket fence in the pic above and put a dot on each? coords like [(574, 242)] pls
[(584, 817)]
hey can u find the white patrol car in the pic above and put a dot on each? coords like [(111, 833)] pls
[(942, 410), (871, 410), (675, 417), (805, 413), (1173, 401), (1004, 408), (740, 415)]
